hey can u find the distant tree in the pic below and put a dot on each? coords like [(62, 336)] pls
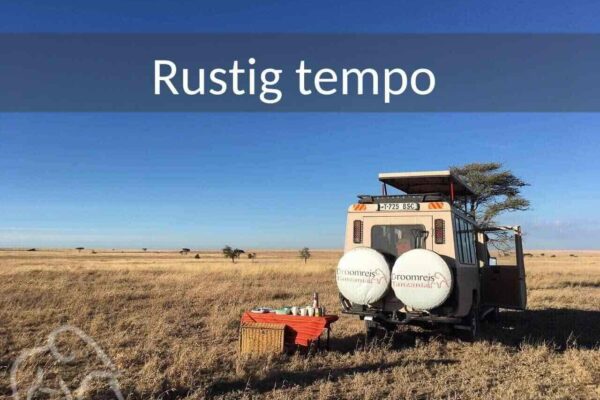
[(197, 256), (184, 251), (32, 249), (228, 252), (497, 191), (144, 248), (305, 254), (79, 249)]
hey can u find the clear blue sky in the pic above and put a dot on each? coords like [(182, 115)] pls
[(277, 180)]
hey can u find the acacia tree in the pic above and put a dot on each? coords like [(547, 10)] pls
[(228, 252), (305, 254), (497, 190)]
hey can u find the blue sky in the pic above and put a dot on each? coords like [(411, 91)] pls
[(277, 180)]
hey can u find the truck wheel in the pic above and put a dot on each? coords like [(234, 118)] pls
[(371, 330), (495, 315), (470, 330), (375, 331), (492, 315)]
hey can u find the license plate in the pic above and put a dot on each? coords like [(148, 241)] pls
[(398, 206)]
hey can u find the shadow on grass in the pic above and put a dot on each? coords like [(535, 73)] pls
[(402, 338), (561, 326), (305, 378)]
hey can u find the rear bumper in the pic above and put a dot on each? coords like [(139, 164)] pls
[(396, 317), (399, 318)]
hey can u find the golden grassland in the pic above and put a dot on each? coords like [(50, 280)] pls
[(169, 322)]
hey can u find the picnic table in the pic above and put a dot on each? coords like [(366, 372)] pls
[(303, 331)]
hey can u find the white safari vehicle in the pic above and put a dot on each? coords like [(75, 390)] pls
[(418, 258)]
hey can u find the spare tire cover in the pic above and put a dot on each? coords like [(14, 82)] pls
[(363, 275), (421, 279)]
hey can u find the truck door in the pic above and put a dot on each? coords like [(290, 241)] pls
[(503, 282)]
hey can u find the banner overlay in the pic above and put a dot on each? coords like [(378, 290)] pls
[(300, 72)]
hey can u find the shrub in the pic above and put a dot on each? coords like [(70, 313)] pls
[(228, 252), (305, 254)]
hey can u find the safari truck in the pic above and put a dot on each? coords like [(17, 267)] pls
[(418, 258)]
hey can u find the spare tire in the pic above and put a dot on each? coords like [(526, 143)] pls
[(421, 279), (363, 275)]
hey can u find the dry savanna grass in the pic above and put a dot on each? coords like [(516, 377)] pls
[(169, 323)]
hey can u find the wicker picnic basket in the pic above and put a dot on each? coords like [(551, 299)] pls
[(262, 338)]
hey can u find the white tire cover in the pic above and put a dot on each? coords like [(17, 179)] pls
[(363, 275), (421, 279)]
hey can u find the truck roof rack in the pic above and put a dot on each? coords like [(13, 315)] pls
[(444, 183), (401, 198)]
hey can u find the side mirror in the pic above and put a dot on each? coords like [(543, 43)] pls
[(493, 261)]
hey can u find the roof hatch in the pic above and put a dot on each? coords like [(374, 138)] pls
[(427, 182)]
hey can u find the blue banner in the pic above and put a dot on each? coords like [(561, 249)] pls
[(300, 72)]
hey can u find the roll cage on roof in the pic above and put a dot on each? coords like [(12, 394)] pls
[(422, 186), (427, 186), (428, 182)]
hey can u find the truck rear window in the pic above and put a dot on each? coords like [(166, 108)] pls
[(394, 240)]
